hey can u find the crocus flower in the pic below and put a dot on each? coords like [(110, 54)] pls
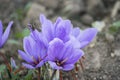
[(34, 55), (60, 29), (84, 36), (4, 36), (64, 30), (63, 56)]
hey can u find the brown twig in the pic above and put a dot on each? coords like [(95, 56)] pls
[(81, 64), (6, 62), (73, 74), (18, 70)]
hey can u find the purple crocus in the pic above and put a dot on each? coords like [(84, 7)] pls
[(60, 29), (63, 56), (35, 54), (64, 30), (4, 36)]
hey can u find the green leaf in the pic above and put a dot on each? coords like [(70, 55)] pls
[(22, 34), (1, 76), (12, 41), (27, 7), (29, 75), (2, 68), (114, 27), (116, 24)]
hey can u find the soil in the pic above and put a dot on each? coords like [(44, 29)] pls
[(102, 56)]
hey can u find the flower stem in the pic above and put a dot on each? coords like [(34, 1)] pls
[(61, 75), (53, 74), (6, 62), (38, 73)]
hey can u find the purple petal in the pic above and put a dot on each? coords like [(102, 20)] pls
[(39, 38), (75, 56), (76, 31), (47, 30), (1, 28), (40, 46), (87, 35), (28, 43), (40, 64), (75, 42), (59, 19), (54, 66), (42, 18), (66, 52), (63, 30), (6, 33), (25, 56), (68, 67), (28, 66), (55, 48)]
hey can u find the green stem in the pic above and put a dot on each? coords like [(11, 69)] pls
[(53, 74)]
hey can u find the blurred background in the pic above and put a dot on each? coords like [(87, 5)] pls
[(102, 56)]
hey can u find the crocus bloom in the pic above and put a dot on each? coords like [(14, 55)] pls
[(60, 29), (84, 36), (64, 30), (35, 54), (63, 56), (4, 36)]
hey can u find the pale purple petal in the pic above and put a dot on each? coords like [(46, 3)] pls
[(42, 18), (40, 44), (87, 35), (47, 30), (84, 43), (40, 64), (67, 50), (27, 44), (39, 37), (63, 30), (55, 48), (54, 66), (75, 42), (75, 56), (28, 66), (6, 33), (59, 19), (68, 67), (1, 28), (25, 56), (1, 31), (76, 31)]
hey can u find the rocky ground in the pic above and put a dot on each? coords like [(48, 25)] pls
[(102, 56)]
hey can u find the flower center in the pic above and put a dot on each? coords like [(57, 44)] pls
[(59, 63)]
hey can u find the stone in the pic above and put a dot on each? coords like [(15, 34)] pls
[(86, 19), (50, 3), (72, 7), (109, 37), (99, 25), (117, 52), (33, 13)]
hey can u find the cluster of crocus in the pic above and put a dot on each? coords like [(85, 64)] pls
[(4, 36), (58, 43)]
